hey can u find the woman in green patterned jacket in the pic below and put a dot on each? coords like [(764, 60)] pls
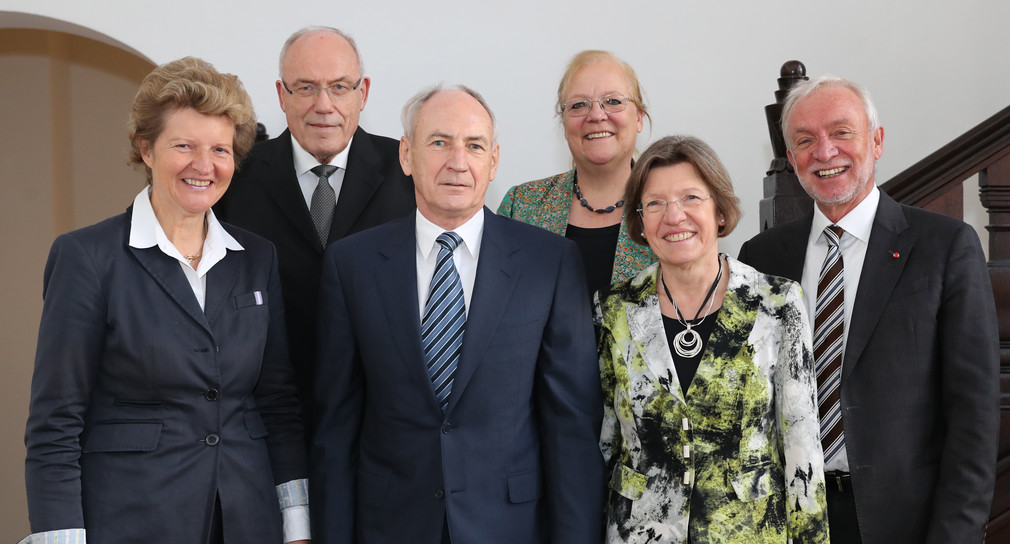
[(710, 423), (601, 110)]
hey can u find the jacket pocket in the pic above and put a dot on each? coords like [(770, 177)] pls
[(371, 489), (256, 298), (524, 486), (754, 484), (254, 424), (628, 483), (123, 435)]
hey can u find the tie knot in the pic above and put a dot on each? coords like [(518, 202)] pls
[(834, 234), (449, 240), (324, 170)]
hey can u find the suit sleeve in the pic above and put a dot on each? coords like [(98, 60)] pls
[(338, 406), (969, 358), (570, 405), (276, 394), (71, 340), (796, 405)]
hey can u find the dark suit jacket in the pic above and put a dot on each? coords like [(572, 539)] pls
[(145, 407), (919, 376), (264, 198), (515, 457)]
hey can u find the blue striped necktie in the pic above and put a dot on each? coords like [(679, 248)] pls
[(829, 329), (444, 320)]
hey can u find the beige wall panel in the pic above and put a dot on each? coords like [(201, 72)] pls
[(62, 166)]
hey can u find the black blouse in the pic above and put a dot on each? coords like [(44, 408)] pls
[(597, 247)]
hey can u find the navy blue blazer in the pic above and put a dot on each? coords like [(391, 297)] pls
[(264, 197), (920, 375), (515, 457), (145, 407)]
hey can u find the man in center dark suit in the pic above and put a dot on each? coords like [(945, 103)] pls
[(458, 392), (281, 194), (910, 444)]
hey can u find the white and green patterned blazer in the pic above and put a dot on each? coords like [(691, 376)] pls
[(737, 459)]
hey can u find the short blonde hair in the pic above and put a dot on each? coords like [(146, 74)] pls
[(592, 56), (673, 150), (189, 83)]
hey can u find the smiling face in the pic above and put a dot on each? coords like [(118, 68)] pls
[(601, 138), (680, 238), (452, 156), (322, 125), (832, 149), (191, 163)]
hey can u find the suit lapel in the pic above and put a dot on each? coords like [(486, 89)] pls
[(795, 237), (361, 180), (281, 184), (645, 324), (497, 273), (220, 284), (880, 273), (396, 278), (166, 272)]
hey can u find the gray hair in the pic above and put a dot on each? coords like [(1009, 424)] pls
[(312, 29), (804, 89), (408, 117)]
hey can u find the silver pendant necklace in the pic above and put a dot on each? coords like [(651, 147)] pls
[(687, 343)]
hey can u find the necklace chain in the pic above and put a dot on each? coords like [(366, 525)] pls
[(688, 343), (578, 195)]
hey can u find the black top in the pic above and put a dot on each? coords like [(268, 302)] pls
[(597, 247), (686, 368)]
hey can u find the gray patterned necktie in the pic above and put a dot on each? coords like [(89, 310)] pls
[(324, 199)]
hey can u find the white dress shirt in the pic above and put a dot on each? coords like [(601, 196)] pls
[(305, 162), (857, 225), (465, 256)]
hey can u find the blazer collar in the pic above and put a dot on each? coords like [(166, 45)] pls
[(886, 254), (362, 179), (497, 274)]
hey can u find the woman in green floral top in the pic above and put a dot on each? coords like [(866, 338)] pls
[(710, 422), (601, 110)]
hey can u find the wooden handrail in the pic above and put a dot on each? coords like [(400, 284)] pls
[(953, 163)]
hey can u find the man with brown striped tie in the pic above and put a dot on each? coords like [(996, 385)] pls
[(905, 339)]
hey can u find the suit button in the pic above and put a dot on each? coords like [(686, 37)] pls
[(212, 394), (212, 439), (446, 428), (439, 493)]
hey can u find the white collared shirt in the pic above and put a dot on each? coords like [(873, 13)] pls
[(305, 162), (146, 231), (465, 256), (857, 225)]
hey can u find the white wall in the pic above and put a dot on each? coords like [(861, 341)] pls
[(936, 68)]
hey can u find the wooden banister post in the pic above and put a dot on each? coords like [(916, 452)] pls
[(784, 197)]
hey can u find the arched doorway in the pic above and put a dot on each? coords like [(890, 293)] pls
[(62, 166)]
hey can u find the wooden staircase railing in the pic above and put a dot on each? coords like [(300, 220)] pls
[(934, 183)]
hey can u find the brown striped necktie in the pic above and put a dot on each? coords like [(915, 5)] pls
[(829, 336)]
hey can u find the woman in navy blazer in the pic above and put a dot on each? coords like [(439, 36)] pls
[(163, 407)]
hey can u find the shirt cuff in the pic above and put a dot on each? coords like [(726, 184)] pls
[(62, 536), (294, 502)]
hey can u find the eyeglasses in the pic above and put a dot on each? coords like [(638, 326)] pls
[(311, 90), (580, 107), (686, 202)]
